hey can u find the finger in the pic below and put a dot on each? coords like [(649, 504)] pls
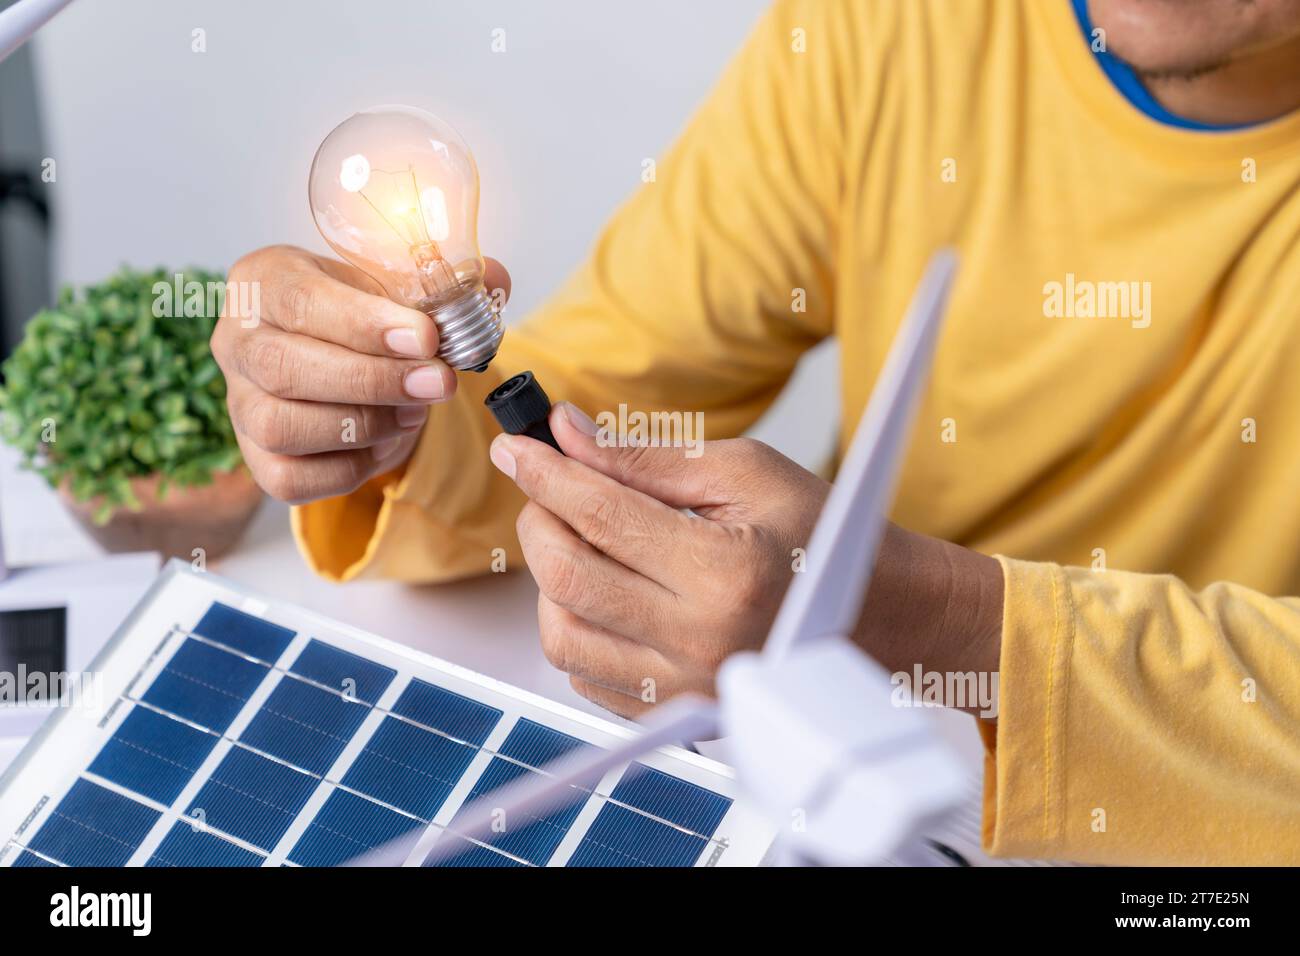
[(288, 427), (298, 367), (682, 476), (349, 274), (632, 528), (574, 575), (632, 708), (733, 479), (327, 300), (584, 650), (299, 480), (496, 279)]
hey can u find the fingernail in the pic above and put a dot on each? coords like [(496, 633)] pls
[(408, 416), (385, 448), (502, 458), (403, 342), (579, 419), (425, 382)]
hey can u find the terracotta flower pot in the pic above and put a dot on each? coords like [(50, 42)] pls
[(211, 517)]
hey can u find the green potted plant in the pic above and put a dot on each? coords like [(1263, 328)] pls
[(115, 398)]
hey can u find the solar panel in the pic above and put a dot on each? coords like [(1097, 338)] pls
[(233, 731)]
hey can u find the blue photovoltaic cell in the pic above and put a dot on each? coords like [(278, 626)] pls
[(31, 859), (304, 725), (244, 632), (460, 717), (93, 826), (153, 755), (204, 684), (409, 768), (347, 826), (533, 839), (671, 798), (339, 670), (184, 846), (537, 745), (474, 856), (252, 798), (623, 837)]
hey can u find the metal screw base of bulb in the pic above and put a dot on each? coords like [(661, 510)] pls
[(469, 330)]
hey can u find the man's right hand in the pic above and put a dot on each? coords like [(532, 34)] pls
[(329, 383)]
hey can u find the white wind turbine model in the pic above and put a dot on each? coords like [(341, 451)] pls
[(808, 721), (20, 21)]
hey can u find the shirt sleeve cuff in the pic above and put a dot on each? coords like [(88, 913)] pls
[(1025, 749), (411, 523)]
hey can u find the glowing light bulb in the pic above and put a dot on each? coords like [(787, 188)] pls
[(394, 190)]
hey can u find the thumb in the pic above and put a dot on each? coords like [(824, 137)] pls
[(682, 471)]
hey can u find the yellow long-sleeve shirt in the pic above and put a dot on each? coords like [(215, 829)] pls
[(1149, 709)]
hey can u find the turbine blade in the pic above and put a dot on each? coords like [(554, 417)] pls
[(827, 598), (24, 18)]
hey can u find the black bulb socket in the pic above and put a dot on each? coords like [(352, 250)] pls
[(520, 406)]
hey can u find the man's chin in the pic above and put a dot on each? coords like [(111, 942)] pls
[(1185, 72), (1168, 39)]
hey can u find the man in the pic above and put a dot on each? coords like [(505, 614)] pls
[(1111, 412)]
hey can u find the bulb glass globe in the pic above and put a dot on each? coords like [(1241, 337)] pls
[(394, 190)]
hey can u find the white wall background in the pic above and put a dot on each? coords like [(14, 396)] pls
[(168, 156)]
